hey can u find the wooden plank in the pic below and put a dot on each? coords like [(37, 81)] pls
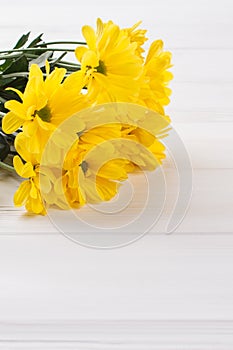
[(202, 66), (207, 97), (168, 277), (164, 292), (122, 335), (210, 209), (180, 23)]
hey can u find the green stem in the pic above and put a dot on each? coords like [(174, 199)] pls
[(68, 66), (64, 42), (59, 58), (4, 57), (7, 167), (17, 54), (19, 74), (35, 49), (26, 74), (3, 100), (77, 65)]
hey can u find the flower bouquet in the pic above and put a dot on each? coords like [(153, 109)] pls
[(74, 129)]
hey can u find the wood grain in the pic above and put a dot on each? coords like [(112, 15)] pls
[(164, 292)]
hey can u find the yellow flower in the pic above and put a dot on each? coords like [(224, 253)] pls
[(45, 104), (110, 65), (102, 158), (86, 185), (145, 151), (28, 193), (93, 171), (82, 184), (138, 36), (154, 92)]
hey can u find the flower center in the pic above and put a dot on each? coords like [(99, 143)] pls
[(84, 166), (101, 68), (45, 114)]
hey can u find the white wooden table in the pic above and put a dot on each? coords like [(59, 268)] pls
[(163, 291)]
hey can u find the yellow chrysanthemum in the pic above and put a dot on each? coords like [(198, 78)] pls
[(28, 193), (154, 92), (45, 104), (89, 178), (150, 142), (84, 185), (102, 158), (110, 65), (87, 140), (137, 36)]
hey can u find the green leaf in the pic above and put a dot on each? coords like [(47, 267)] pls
[(22, 41), (4, 82), (2, 109), (9, 95), (36, 41), (4, 147), (5, 65), (19, 83), (40, 61), (18, 65), (36, 52), (56, 61)]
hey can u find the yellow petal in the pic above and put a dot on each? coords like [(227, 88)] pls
[(58, 187), (143, 136), (33, 191), (89, 35), (30, 128), (154, 50), (23, 170), (47, 67), (80, 51), (107, 189), (113, 170), (22, 193), (17, 108), (18, 92), (11, 123), (75, 81), (50, 198), (44, 125), (73, 178), (88, 191), (47, 172), (36, 206), (90, 59), (36, 72), (100, 27), (54, 80), (22, 147)]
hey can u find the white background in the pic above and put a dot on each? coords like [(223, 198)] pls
[(164, 291)]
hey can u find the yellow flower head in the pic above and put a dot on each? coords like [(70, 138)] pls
[(154, 92), (110, 65), (28, 193), (84, 185), (137, 36), (89, 178), (45, 103)]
